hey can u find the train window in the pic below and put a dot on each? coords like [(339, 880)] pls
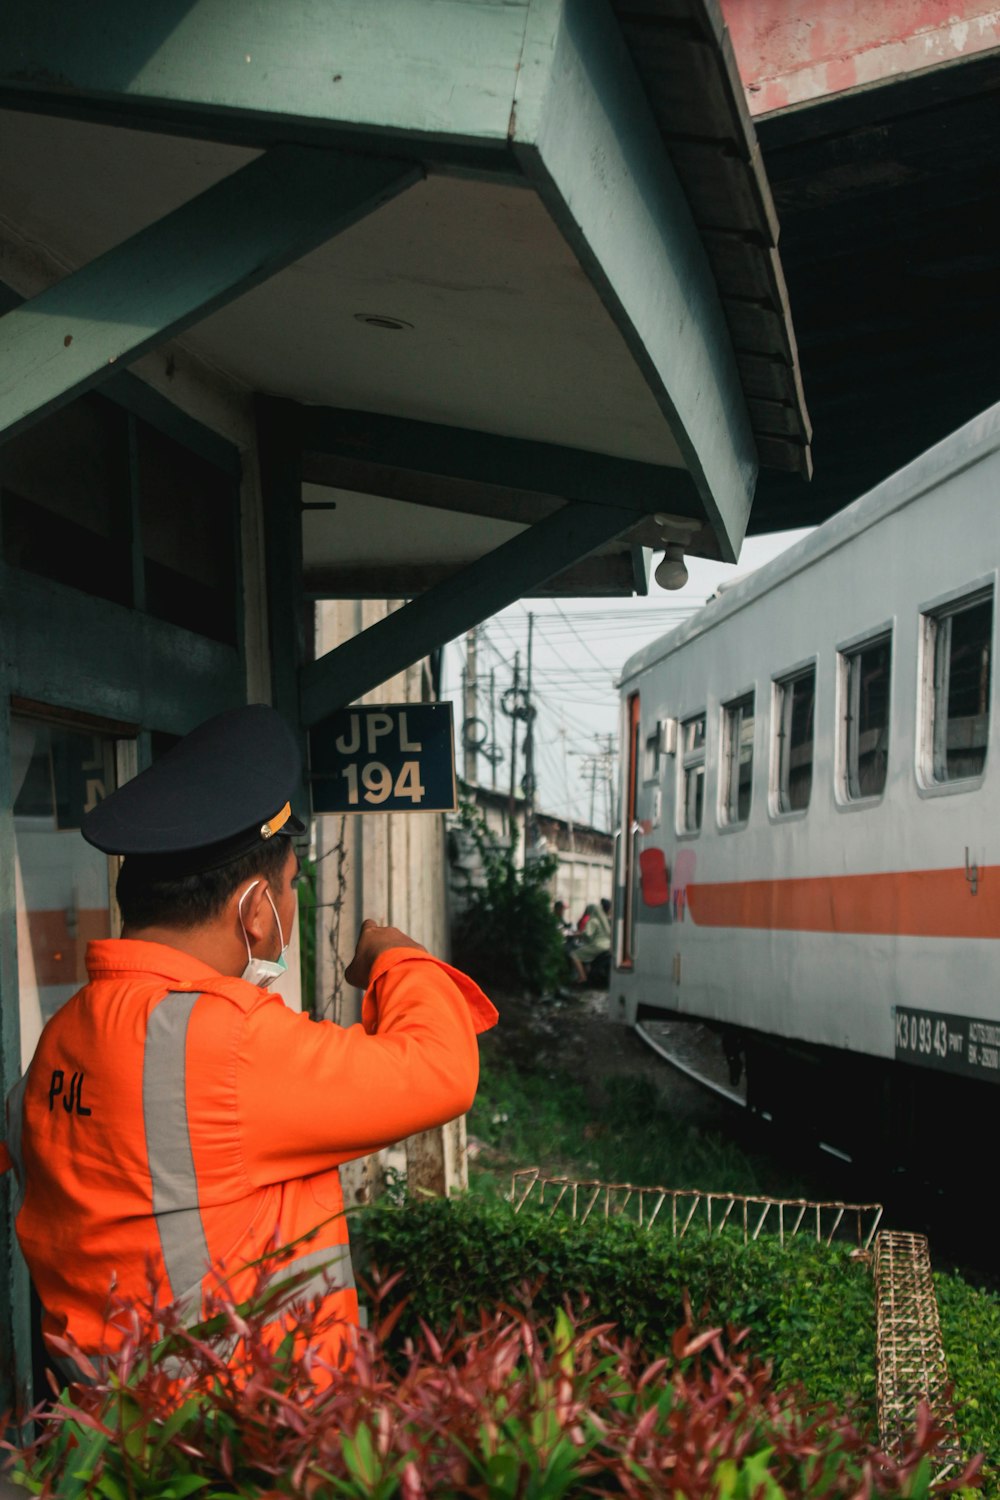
[(796, 704), (693, 772), (957, 651), (651, 756), (737, 741), (866, 717)]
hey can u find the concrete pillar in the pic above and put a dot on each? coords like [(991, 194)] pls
[(390, 866)]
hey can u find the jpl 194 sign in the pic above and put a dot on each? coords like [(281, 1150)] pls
[(385, 757)]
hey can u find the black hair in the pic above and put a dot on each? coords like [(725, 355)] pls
[(155, 892)]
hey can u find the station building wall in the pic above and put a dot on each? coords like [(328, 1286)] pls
[(131, 608)]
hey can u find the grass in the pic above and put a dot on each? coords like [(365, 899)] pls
[(628, 1134)]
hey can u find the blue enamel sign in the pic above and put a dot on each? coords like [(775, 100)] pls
[(384, 757)]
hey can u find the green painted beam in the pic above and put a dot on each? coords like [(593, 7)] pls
[(62, 647), (485, 458), (586, 138), (602, 575), (440, 70), (279, 460), (209, 251), (642, 559), (454, 606), (544, 86), (143, 401)]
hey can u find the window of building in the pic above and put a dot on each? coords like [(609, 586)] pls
[(98, 499), (693, 773), (187, 520), (957, 656), (62, 884), (795, 705), (866, 685), (737, 759), (64, 499)]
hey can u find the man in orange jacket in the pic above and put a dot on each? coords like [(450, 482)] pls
[(178, 1117)]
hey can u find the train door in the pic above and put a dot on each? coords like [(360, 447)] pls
[(626, 949)]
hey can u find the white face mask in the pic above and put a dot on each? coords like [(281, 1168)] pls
[(262, 971)]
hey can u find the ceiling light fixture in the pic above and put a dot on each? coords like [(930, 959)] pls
[(671, 571), (676, 533)]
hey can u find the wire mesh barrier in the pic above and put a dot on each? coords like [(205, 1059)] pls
[(910, 1359), (683, 1209)]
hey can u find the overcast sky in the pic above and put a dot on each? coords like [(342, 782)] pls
[(579, 646)]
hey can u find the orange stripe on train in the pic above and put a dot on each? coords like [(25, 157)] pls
[(903, 903)]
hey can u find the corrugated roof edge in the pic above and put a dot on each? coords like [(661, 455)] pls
[(685, 61)]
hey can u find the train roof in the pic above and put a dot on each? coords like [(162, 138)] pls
[(963, 448)]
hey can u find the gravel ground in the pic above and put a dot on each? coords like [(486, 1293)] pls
[(571, 1033)]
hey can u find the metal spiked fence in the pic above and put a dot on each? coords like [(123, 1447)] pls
[(684, 1209)]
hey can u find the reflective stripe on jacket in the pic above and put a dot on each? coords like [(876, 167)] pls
[(178, 1122)]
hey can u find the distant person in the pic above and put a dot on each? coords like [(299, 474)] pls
[(562, 921), (596, 927)]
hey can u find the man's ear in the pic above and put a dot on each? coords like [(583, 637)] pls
[(256, 912)]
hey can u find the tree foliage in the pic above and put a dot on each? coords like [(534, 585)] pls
[(506, 936)]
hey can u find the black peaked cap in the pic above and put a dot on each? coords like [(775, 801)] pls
[(210, 798)]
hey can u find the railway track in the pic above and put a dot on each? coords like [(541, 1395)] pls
[(693, 1051), (913, 1200)]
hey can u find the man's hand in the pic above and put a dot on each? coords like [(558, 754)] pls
[(373, 940)]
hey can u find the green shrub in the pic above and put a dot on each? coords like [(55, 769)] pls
[(809, 1308), (307, 899), (970, 1328), (517, 1407), (506, 937)]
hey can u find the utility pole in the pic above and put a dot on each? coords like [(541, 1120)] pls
[(469, 743), (494, 758), (608, 767), (513, 737), (599, 766), (529, 756), (569, 799), (607, 797)]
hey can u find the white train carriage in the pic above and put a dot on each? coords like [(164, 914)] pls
[(809, 850)]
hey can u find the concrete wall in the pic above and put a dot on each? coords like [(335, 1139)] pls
[(580, 880), (585, 855)]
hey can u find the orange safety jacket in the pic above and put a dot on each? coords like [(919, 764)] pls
[(180, 1121)]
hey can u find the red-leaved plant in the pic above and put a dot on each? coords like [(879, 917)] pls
[(511, 1408)]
